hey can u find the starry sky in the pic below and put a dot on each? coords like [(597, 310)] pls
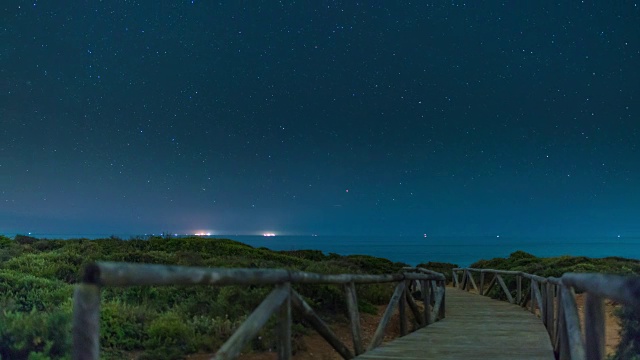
[(320, 117)]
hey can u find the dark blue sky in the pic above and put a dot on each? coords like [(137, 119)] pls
[(327, 117)]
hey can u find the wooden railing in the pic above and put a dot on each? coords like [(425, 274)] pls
[(86, 302), (554, 299)]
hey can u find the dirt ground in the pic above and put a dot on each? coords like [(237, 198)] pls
[(318, 348)]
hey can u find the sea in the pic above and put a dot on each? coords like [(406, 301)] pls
[(414, 250)]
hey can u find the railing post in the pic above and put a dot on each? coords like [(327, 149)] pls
[(572, 324), (402, 306), (563, 337), (505, 289), (549, 309), (384, 321), (441, 313), (519, 289), (86, 322), (533, 296), (456, 283), (354, 315), (543, 308), (426, 299), (467, 280), (284, 327), (481, 289), (594, 327), (252, 325)]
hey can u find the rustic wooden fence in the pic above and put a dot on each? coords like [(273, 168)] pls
[(86, 302), (554, 299)]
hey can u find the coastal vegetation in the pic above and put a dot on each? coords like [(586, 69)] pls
[(37, 277)]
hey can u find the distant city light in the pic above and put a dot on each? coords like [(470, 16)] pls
[(202, 233), (268, 234)]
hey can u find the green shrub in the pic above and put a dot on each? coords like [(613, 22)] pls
[(9, 250), (629, 347), (374, 265), (35, 334), (170, 337), (123, 326), (5, 242), (51, 265), (212, 332), (24, 239), (445, 269), (26, 292)]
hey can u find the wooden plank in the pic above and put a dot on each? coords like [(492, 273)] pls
[(252, 325), (622, 289), (543, 309), (308, 314), (505, 288), (594, 327), (476, 327), (86, 322), (284, 326), (128, 274), (518, 289), (441, 310), (538, 296), (525, 298), (532, 296), (402, 313), (426, 300), (561, 343), (491, 283), (439, 295), (473, 282), (414, 310), (379, 334), (464, 281), (572, 322), (354, 316), (549, 307)]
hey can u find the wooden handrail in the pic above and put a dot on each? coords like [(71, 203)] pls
[(555, 299), (86, 303)]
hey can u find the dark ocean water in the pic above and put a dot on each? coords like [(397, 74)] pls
[(459, 250)]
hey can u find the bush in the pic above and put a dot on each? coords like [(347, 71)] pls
[(26, 292), (170, 337), (445, 269), (629, 347), (49, 265), (123, 326), (35, 334), (24, 239), (5, 242)]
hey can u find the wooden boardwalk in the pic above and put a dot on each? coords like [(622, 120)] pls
[(475, 327)]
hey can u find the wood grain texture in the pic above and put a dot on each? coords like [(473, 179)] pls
[(476, 327), (86, 322), (354, 317)]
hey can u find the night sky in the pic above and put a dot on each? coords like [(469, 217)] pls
[(320, 117)]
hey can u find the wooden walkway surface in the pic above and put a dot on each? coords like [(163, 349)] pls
[(475, 327)]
